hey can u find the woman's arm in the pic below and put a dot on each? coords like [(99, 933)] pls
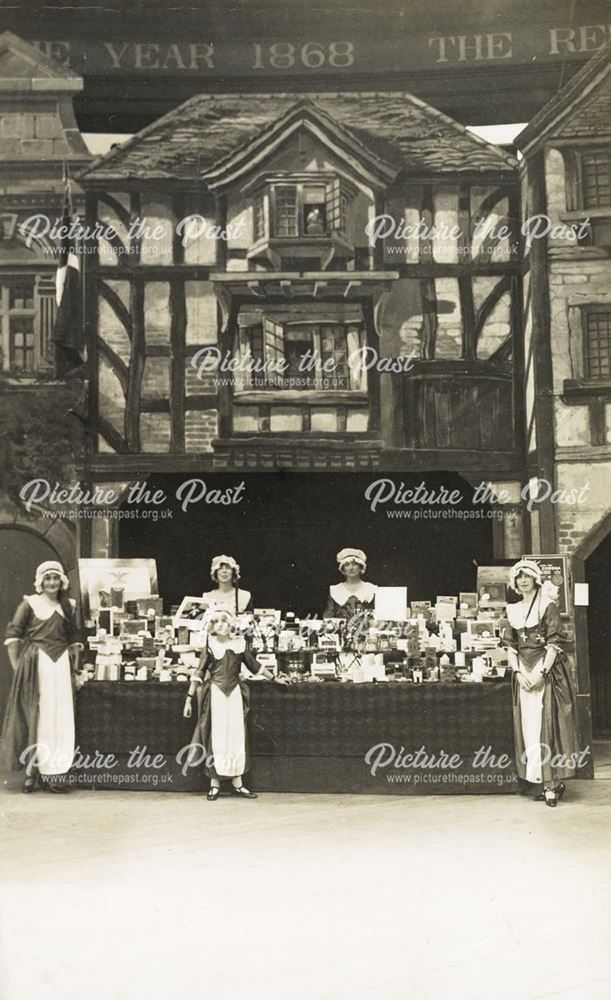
[(551, 627), (16, 632), (509, 638), (13, 648), (250, 660), (196, 679)]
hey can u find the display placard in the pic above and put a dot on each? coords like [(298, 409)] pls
[(554, 569), (391, 604), (99, 577)]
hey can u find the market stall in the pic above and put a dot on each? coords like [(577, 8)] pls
[(395, 698)]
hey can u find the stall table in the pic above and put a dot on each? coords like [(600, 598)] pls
[(324, 737)]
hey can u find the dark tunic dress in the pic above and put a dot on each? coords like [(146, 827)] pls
[(53, 636), (350, 606), (558, 737), (224, 673), (351, 609)]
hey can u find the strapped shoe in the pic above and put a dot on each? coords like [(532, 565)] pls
[(242, 793)]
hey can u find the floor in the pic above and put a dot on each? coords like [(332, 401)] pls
[(127, 896)]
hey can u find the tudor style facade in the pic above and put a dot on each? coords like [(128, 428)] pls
[(278, 274), (567, 178), (297, 294)]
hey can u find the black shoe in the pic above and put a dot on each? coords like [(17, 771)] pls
[(551, 798), (29, 786), (558, 791), (49, 786), (213, 794), (242, 793)]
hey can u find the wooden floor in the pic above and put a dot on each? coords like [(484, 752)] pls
[(113, 895)]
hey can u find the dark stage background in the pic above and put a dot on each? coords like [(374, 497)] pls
[(287, 529)]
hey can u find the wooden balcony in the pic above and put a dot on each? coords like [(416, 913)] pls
[(461, 415)]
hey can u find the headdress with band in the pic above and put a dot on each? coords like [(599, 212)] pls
[(219, 561), (351, 555), (51, 566), (529, 568)]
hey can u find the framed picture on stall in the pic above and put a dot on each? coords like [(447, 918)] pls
[(191, 614), (554, 568), (133, 626), (467, 604), (162, 624), (104, 582), (146, 603), (492, 583)]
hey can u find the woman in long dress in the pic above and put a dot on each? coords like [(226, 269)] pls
[(43, 647), (225, 572), (543, 695), (353, 597), (223, 704)]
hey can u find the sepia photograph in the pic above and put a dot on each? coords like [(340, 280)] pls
[(305, 532)]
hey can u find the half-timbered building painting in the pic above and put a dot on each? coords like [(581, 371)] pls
[(322, 281)]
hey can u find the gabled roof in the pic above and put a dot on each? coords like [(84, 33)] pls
[(374, 168), (576, 110), (24, 67), (397, 128)]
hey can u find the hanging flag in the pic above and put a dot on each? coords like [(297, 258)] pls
[(68, 329)]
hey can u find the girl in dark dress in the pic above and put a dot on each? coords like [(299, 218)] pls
[(543, 695), (222, 705), (43, 647)]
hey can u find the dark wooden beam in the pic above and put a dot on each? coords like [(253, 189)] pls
[(178, 326), (112, 436), (519, 381), (136, 368), (118, 366), (120, 310), (542, 352), (90, 317)]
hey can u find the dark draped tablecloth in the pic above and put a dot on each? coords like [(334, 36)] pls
[(309, 737)]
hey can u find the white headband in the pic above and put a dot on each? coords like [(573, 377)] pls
[(528, 567), (351, 555), (51, 566), (219, 561)]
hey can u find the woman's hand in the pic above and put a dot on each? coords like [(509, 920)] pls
[(537, 679), (531, 681), (188, 709), (80, 679)]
